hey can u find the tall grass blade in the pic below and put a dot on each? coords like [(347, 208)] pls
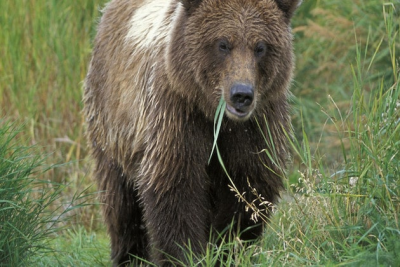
[(219, 114)]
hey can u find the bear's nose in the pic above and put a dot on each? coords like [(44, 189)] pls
[(242, 95)]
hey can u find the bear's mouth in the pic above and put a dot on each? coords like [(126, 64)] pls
[(237, 112)]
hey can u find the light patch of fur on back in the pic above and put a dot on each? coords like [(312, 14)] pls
[(145, 25)]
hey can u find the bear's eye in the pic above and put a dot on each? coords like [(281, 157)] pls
[(223, 46), (260, 50)]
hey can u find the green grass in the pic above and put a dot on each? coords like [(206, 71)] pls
[(30, 212), (343, 201), (45, 49), (20, 227), (77, 247)]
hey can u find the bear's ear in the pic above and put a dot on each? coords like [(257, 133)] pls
[(288, 6), (190, 5)]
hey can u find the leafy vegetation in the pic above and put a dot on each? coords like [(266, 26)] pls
[(343, 201), (19, 222), (29, 213)]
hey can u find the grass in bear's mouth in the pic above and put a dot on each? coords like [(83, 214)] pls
[(219, 114)]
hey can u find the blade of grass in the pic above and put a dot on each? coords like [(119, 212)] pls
[(219, 114)]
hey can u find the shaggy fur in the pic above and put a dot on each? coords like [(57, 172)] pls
[(158, 71)]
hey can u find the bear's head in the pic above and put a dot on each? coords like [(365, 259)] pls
[(240, 50)]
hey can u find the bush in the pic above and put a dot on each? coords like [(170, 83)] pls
[(26, 222)]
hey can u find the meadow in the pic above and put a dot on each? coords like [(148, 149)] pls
[(342, 203)]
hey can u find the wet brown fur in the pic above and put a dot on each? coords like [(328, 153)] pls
[(150, 99)]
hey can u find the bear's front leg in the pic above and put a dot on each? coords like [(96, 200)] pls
[(176, 213), (174, 185)]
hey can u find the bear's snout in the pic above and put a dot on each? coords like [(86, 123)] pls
[(241, 100)]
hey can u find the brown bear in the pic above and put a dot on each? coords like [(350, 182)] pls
[(158, 71)]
